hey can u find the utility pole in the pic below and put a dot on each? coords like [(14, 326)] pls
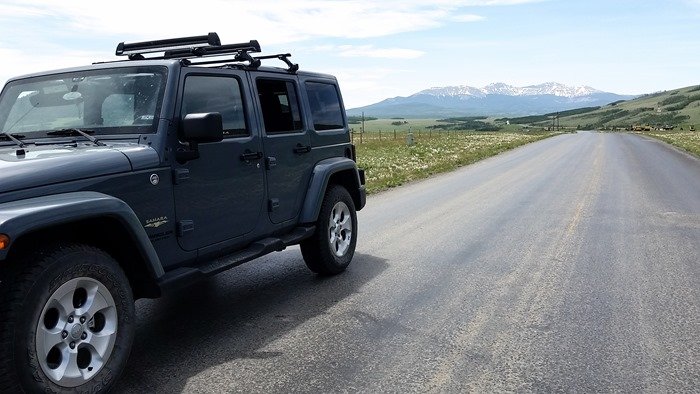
[(553, 117), (363, 122)]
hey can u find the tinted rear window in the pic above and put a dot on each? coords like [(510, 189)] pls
[(325, 106)]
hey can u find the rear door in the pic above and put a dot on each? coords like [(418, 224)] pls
[(286, 143)]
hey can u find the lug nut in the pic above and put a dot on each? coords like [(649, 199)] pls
[(70, 319), (82, 320), (83, 336), (64, 334), (72, 345)]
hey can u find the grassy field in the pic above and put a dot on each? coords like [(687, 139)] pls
[(686, 140), (679, 107), (385, 125), (389, 161), (421, 126)]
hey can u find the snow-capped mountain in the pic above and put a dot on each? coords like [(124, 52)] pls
[(549, 88), (494, 99)]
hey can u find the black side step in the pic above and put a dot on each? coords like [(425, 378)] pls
[(180, 277)]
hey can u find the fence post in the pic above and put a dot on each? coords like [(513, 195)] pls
[(394, 133)]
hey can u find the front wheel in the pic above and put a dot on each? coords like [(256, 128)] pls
[(331, 248), (68, 321)]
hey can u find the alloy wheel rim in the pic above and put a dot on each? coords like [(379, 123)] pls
[(340, 229), (76, 332)]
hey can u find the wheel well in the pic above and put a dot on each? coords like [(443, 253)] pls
[(347, 179), (105, 233)]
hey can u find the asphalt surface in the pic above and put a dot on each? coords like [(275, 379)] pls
[(571, 264)]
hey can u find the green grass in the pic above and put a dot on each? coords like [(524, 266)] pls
[(547, 118), (389, 162), (686, 140), (385, 125), (679, 107)]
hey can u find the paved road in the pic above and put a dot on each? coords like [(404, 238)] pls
[(571, 264)]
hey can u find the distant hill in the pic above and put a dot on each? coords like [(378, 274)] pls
[(673, 108), (497, 99)]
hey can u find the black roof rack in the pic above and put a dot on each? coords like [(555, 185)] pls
[(139, 48), (283, 57), (217, 50), (253, 62), (197, 47)]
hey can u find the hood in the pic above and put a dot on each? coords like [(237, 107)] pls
[(50, 164)]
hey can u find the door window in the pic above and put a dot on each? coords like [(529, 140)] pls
[(280, 106), (204, 94)]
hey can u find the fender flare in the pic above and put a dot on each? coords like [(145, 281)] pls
[(18, 218), (318, 184)]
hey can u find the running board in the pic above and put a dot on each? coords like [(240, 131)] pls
[(180, 277)]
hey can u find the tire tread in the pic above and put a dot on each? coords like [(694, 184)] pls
[(18, 276), (315, 250)]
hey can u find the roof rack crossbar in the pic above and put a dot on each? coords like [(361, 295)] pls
[(218, 50), (240, 57), (293, 67), (211, 39)]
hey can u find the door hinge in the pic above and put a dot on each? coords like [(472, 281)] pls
[(180, 175), (184, 227), (273, 204), (270, 162)]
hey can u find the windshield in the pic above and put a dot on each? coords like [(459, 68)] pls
[(121, 100)]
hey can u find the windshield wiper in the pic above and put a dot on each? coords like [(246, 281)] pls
[(13, 138), (74, 131)]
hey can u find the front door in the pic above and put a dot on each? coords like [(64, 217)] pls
[(220, 195), (287, 146)]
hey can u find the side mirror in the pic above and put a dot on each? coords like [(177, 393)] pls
[(202, 128)]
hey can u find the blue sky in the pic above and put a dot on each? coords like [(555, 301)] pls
[(381, 49)]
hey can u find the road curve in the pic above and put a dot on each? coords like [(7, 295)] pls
[(570, 264)]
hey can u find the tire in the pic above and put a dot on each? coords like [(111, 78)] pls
[(66, 321), (331, 248)]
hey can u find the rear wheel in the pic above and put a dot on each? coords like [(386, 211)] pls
[(68, 321), (331, 248)]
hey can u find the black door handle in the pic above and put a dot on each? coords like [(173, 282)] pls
[(302, 149), (248, 155)]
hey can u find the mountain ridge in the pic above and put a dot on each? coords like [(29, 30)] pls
[(553, 88), (498, 99)]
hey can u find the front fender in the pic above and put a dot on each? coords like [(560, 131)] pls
[(323, 171), (18, 218)]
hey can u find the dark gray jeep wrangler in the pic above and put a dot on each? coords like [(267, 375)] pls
[(128, 179)]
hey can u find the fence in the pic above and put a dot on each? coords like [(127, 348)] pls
[(400, 135)]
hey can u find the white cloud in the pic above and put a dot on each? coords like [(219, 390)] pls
[(467, 18), (364, 85), (365, 51), (484, 3), (24, 10), (44, 34), (266, 20), (371, 51), (19, 62)]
